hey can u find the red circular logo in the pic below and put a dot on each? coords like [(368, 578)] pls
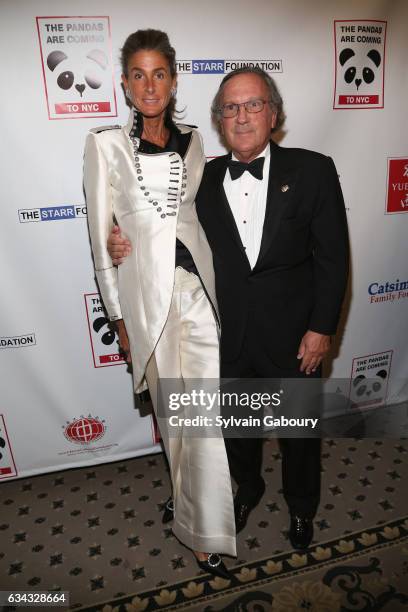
[(85, 430)]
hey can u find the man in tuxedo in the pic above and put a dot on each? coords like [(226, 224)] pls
[(275, 221), (276, 224)]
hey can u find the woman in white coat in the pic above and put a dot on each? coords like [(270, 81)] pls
[(146, 175)]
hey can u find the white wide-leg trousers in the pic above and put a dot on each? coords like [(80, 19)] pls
[(188, 349)]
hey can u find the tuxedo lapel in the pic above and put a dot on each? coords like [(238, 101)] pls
[(222, 206), (280, 191)]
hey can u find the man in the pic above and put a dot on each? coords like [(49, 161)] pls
[(276, 224)]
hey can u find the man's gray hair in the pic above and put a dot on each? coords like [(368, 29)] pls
[(275, 98)]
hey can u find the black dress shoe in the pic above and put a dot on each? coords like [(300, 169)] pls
[(215, 566), (168, 514), (242, 512), (300, 532), (242, 509)]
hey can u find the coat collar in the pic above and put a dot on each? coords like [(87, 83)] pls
[(179, 135), (136, 119), (223, 208), (282, 179)]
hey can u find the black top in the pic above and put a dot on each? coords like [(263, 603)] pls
[(178, 143)]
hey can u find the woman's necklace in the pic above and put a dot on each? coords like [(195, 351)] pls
[(176, 169)]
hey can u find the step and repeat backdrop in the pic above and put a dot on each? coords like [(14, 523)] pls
[(66, 395)]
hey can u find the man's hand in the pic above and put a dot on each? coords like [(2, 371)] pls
[(123, 340), (118, 246), (313, 348)]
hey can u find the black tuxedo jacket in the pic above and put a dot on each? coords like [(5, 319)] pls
[(299, 280)]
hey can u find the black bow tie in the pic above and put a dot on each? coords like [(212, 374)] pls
[(255, 167)]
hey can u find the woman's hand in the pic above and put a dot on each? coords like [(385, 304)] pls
[(118, 246), (123, 340)]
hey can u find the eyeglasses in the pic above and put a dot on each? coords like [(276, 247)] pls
[(251, 106)]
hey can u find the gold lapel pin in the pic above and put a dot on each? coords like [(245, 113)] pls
[(284, 188)]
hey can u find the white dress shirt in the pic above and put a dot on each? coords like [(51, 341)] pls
[(247, 199)]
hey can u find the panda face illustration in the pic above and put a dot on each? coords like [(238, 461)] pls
[(106, 329), (68, 77), (359, 73), (369, 390)]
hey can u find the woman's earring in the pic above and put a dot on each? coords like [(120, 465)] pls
[(173, 92), (128, 94)]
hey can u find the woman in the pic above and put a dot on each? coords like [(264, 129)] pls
[(146, 175)]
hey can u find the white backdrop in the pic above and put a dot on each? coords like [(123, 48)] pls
[(61, 404)]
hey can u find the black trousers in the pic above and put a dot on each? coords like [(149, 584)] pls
[(300, 457)]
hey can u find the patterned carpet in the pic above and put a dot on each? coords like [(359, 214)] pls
[(97, 533)]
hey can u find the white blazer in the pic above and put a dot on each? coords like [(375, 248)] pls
[(153, 204)]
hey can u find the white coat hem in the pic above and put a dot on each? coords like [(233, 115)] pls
[(221, 544)]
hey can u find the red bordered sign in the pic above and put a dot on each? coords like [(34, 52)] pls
[(7, 464), (76, 56), (397, 185), (359, 48), (369, 379), (102, 334)]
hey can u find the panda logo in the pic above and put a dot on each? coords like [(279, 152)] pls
[(108, 333), (2, 445), (369, 390), (365, 73), (91, 75)]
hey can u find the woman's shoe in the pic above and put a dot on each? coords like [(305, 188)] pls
[(168, 514), (214, 565)]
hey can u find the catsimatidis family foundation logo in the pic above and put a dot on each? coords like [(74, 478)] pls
[(387, 291)]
